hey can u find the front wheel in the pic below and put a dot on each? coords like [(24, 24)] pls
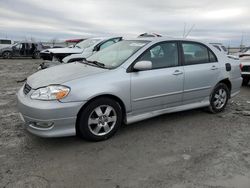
[(100, 120), (6, 55), (219, 98)]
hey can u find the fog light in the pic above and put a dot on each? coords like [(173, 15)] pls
[(42, 124)]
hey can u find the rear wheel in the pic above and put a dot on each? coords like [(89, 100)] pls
[(7, 55), (100, 120), (219, 98), (245, 81)]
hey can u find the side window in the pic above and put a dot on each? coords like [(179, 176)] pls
[(162, 55), (5, 42), (212, 57), (195, 53), (106, 44)]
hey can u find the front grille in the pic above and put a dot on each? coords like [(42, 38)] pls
[(245, 69), (26, 89)]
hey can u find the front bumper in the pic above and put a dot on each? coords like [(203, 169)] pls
[(48, 118)]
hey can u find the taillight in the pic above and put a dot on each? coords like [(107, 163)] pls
[(241, 66)]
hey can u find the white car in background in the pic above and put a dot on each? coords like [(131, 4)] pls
[(79, 52), (102, 43), (245, 65), (5, 43)]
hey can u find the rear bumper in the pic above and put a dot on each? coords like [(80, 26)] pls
[(48, 118)]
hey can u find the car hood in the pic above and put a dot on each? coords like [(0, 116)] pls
[(62, 73), (63, 50)]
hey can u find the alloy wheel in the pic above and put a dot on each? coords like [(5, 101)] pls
[(102, 120), (220, 98)]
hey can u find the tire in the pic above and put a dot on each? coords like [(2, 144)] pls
[(100, 120), (36, 55), (245, 81), (219, 98), (7, 55)]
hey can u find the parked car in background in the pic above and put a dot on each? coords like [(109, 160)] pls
[(5, 43), (244, 52), (245, 69), (22, 49), (220, 47), (80, 51), (129, 81), (102, 43), (244, 56)]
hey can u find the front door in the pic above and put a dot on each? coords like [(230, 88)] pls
[(162, 86)]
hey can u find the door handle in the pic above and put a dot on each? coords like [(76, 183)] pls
[(214, 67), (177, 72)]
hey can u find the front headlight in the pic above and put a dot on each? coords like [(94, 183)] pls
[(52, 92)]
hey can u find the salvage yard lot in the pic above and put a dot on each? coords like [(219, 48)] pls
[(179, 150)]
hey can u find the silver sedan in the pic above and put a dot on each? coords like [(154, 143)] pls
[(129, 81)]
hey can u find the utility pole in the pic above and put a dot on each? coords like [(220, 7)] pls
[(184, 30), (241, 42), (189, 31)]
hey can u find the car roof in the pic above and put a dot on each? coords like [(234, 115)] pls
[(159, 39), (105, 38)]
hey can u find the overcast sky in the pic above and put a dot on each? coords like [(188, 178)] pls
[(216, 21)]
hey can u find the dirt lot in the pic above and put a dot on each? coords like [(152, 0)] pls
[(181, 150)]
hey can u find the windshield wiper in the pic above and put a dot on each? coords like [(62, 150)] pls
[(96, 63)]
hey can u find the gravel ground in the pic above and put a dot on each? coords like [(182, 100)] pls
[(191, 149)]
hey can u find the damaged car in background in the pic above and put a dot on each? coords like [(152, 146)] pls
[(127, 82), (22, 49), (245, 65), (80, 51)]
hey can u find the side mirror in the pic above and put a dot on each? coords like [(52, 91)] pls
[(143, 65)]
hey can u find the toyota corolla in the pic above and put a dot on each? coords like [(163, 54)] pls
[(127, 82)]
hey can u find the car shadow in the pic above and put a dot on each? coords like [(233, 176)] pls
[(124, 133)]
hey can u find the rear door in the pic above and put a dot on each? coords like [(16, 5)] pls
[(201, 71), (162, 86), (16, 49)]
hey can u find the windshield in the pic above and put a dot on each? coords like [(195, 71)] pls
[(87, 43), (116, 54)]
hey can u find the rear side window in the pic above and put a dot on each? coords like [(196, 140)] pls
[(195, 53), (212, 57), (5, 42)]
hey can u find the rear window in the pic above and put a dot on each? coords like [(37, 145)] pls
[(5, 41), (195, 53)]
